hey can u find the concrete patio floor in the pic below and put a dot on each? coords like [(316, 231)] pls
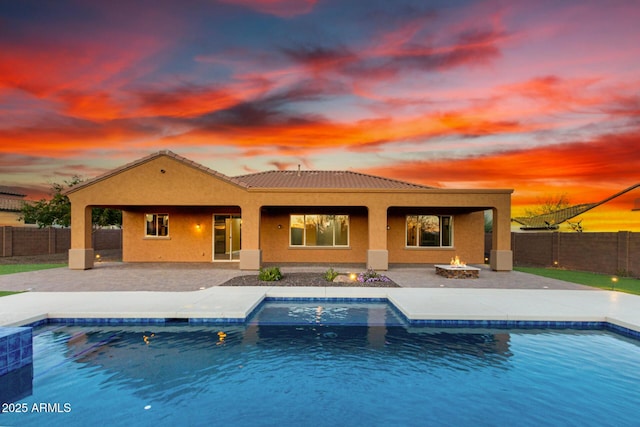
[(180, 277), (120, 290)]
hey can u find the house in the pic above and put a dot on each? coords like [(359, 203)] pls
[(11, 202), (176, 210)]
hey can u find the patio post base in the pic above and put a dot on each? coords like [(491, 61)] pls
[(378, 259), (81, 259), (501, 260), (250, 259)]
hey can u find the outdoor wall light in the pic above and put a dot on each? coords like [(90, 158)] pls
[(279, 226), (198, 227), (388, 227)]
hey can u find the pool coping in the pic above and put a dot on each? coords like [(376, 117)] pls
[(610, 324), (420, 306)]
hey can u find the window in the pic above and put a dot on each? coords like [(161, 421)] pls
[(319, 230), (157, 225), (429, 231)]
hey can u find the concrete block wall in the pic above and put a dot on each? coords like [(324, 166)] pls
[(23, 241), (608, 253)]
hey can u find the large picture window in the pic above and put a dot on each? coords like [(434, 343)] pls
[(319, 230), (156, 225), (429, 231)]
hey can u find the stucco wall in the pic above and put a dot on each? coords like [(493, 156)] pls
[(185, 243), (468, 241), (275, 246), (11, 218)]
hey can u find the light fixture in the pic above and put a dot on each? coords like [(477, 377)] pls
[(388, 227), (279, 226), (197, 226)]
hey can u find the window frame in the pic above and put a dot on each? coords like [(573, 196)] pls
[(441, 235), (156, 217), (306, 227)]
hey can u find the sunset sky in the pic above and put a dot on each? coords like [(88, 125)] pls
[(539, 96)]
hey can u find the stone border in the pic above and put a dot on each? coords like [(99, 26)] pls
[(451, 272)]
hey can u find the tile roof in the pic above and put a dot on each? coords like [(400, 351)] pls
[(10, 191), (10, 199), (10, 204), (320, 179), (308, 179)]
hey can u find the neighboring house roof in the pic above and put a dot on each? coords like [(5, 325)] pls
[(11, 199), (553, 220), (319, 179), (10, 191), (11, 205)]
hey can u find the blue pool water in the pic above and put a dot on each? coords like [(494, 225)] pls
[(328, 364)]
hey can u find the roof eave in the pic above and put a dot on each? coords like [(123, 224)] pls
[(379, 190)]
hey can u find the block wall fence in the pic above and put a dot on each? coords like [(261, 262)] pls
[(21, 241), (608, 253)]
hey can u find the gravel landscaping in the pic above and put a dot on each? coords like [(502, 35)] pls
[(304, 279)]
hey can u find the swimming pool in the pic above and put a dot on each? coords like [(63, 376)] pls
[(322, 363)]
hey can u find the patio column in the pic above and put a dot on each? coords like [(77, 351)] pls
[(378, 255), (250, 253), (501, 258), (81, 253)]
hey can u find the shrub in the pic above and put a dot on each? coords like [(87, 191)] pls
[(371, 276), (270, 274), (330, 274)]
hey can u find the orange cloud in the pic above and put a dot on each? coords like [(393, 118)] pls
[(565, 168)]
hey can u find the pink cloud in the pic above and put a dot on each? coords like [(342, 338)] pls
[(281, 8)]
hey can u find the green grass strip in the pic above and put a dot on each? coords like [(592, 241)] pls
[(21, 268), (7, 293), (603, 281)]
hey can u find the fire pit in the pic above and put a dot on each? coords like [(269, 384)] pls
[(457, 270)]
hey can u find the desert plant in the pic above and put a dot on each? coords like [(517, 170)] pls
[(330, 274), (270, 274), (372, 276)]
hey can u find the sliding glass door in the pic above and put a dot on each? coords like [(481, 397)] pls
[(226, 237)]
